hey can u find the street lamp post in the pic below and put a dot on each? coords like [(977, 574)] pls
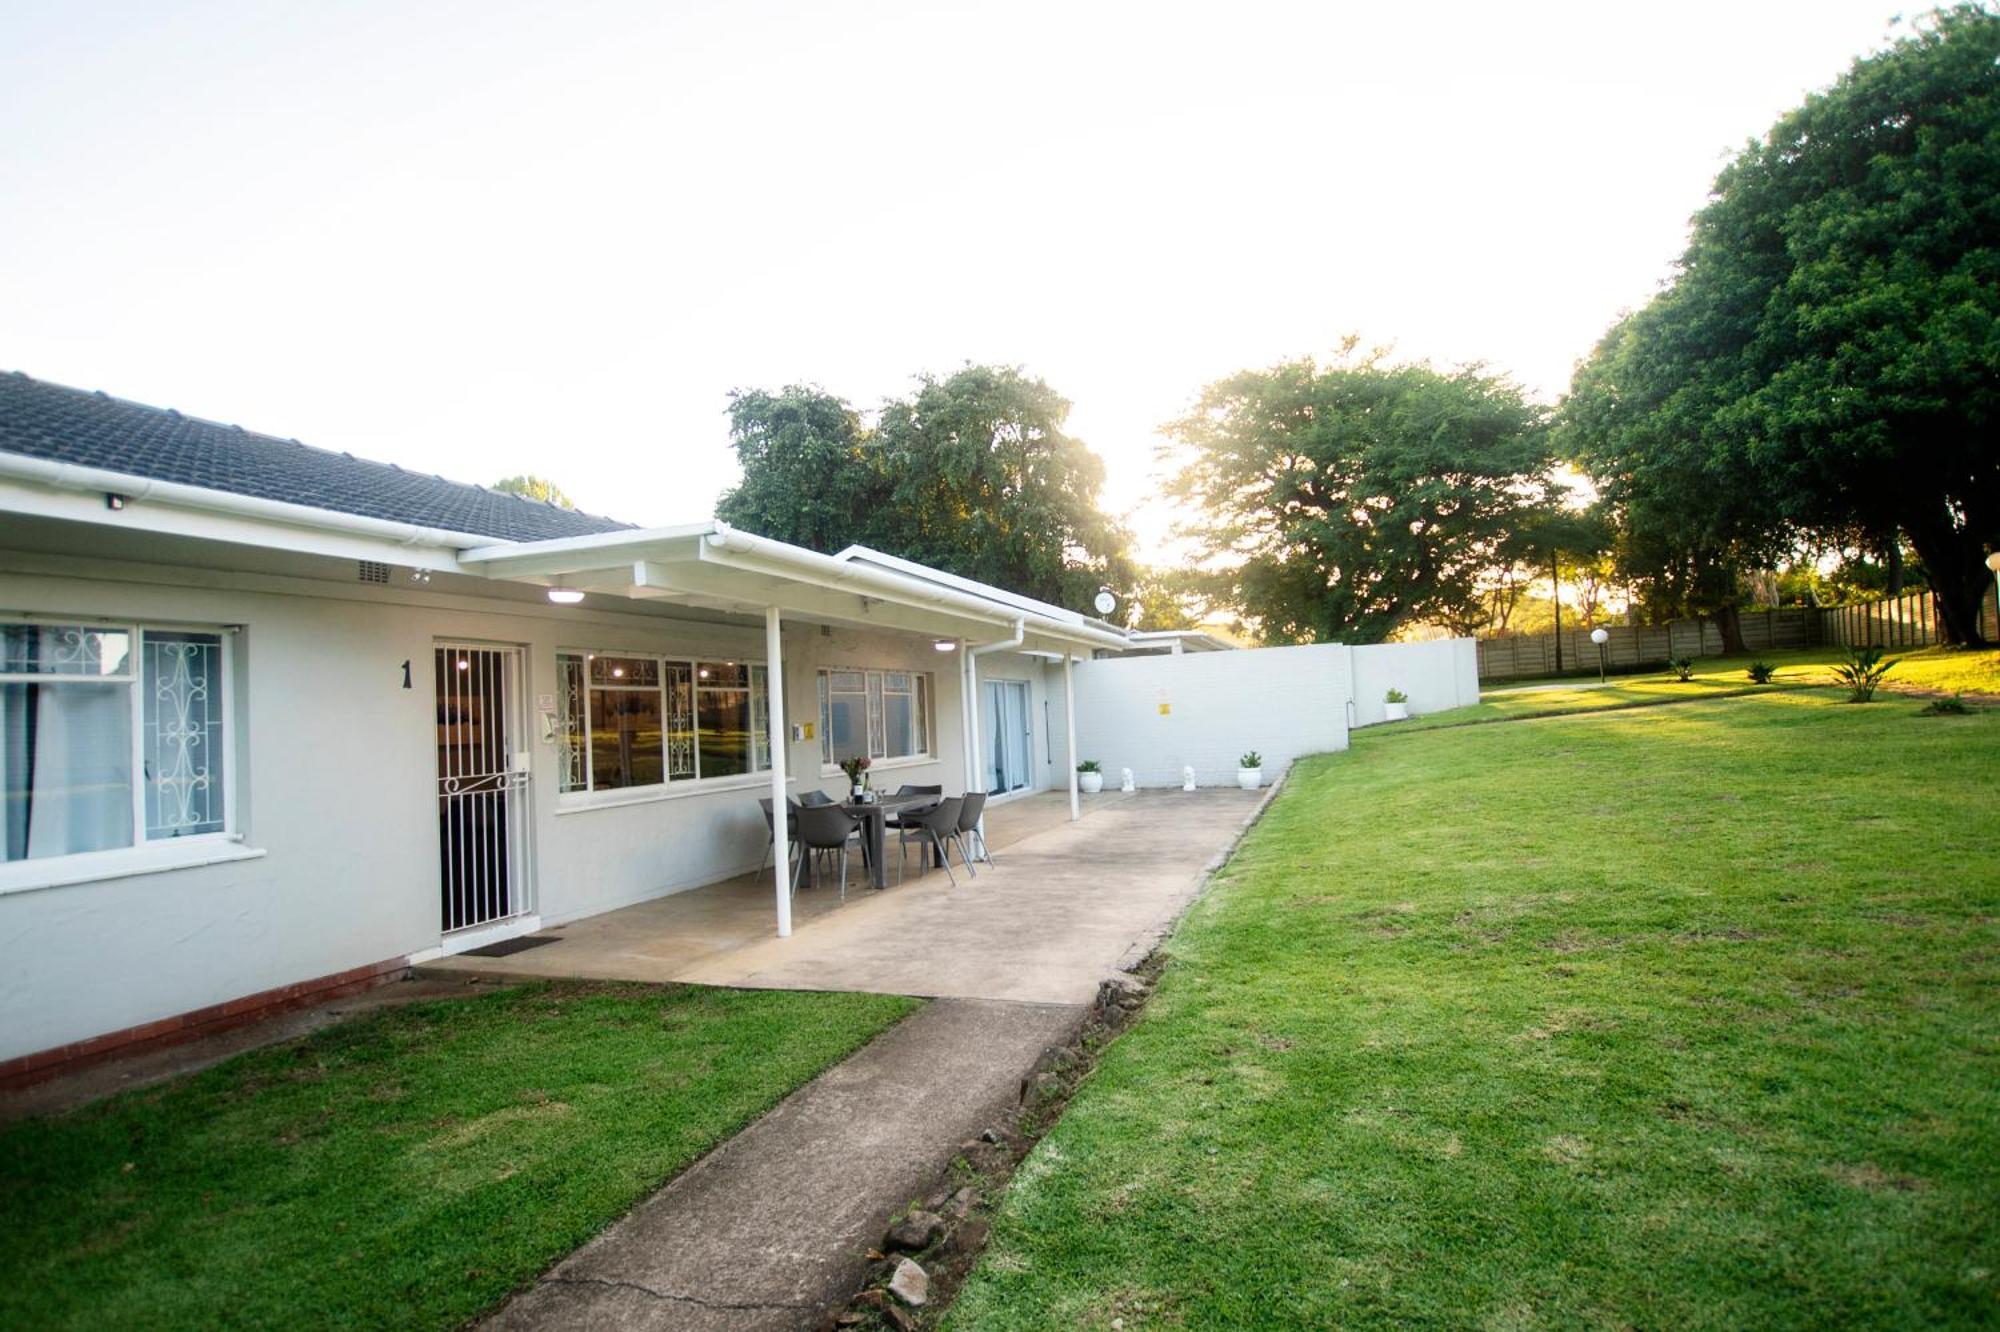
[(1600, 636)]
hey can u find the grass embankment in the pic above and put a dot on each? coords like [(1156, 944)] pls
[(1918, 670), (1675, 1017), (407, 1169)]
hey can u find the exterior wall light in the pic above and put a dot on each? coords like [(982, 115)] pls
[(565, 596), (944, 645)]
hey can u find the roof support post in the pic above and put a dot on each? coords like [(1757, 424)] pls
[(1069, 735), (781, 838)]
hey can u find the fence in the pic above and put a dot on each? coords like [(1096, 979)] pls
[(1909, 620)]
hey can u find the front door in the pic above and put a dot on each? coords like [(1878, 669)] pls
[(482, 771), (1007, 729)]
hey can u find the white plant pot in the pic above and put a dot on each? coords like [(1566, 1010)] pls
[(1249, 778), (1091, 782), (1397, 711)]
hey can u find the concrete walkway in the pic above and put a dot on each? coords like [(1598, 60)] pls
[(1067, 905), (774, 1226)]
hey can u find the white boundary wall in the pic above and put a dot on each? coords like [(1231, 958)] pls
[(1437, 675), (1157, 714)]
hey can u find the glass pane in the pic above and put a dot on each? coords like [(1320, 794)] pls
[(624, 671), (64, 649), (847, 682), (896, 715), (875, 747), (825, 724), (896, 682), (846, 727), (724, 674), (680, 722), (65, 768), (760, 717), (183, 734), (625, 738), (923, 714), (725, 731), (572, 763)]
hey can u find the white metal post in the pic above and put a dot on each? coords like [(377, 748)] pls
[(1069, 735), (781, 839), (975, 778)]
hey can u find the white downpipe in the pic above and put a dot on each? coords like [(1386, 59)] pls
[(1069, 733), (138, 489), (781, 841), (975, 779)]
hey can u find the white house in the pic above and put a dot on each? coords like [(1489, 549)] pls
[(277, 722)]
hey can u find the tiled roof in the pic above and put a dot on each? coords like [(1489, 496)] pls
[(43, 420)]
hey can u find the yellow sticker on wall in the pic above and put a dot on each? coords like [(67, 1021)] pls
[(1166, 708)]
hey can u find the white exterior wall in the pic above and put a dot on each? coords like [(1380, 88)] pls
[(1436, 675), (337, 786), (1282, 702)]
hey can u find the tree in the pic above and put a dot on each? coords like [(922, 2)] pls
[(1827, 354), (1339, 503), (808, 476), (973, 474), (530, 486)]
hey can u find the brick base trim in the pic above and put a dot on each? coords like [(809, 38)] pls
[(25, 1070)]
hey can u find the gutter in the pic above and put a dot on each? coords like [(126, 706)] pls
[(178, 495)]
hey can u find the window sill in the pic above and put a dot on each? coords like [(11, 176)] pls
[(26, 876), (580, 802), (882, 765)]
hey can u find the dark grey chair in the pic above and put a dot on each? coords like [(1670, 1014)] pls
[(825, 829), (936, 828), (969, 830), (771, 829), (907, 790), (814, 799)]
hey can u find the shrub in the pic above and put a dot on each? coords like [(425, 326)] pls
[(1955, 706), (1683, 668), (1395, 696), (1090, 765), (1761, 672), (1862, 673), (1251, 760)]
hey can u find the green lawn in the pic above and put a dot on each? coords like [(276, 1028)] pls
[(1672, 1017), (1922, 670), (407, 1169)]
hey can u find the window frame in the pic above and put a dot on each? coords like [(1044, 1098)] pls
[(874, 714), (144, 852), (583, 765)]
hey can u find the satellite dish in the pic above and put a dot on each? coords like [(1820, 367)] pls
[(1105, 603)]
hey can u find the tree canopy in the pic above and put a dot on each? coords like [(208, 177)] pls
[(1339, 503), (974, 473), (1827, 354), (530, 486)]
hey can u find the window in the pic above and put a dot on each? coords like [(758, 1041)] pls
[(627, 721), (883, 714), (110, 737)]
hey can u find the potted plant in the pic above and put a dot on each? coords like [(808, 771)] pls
[(1090, 776), (856, 769), (1250, 771), (1396, 704)]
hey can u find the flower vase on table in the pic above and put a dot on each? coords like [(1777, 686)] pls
[(857, 777)]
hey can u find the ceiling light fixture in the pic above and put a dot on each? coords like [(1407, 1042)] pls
[(565, 596), (944, 645)]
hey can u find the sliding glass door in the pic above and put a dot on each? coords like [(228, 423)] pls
[(1006, 726)]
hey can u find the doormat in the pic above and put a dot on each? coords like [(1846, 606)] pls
[(509, 947)]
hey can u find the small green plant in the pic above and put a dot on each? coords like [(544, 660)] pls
[(1090, 765), (1955, 706), (1863, 672), (1251, 760), (1395, 696), (1761, 672), (1683, 668)]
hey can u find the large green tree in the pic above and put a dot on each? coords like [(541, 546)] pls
[(974, 473), (1828, 351), (530, 486), (1338, 503)]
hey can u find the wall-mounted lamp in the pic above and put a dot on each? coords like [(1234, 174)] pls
[(565, 596), (944, 645)]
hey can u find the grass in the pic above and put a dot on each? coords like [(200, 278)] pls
[(1672, 1017), (1931, 670), (407, 1169)]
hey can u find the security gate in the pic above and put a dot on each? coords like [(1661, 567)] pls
[(482, 774)]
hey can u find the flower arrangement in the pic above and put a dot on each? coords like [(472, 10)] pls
[(856, 769)]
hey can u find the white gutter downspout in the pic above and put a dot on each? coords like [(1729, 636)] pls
[(974, 770), (135, 489)]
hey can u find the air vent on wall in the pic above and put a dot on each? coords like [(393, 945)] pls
[(372, 572)]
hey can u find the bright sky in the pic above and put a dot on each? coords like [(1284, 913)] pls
[(486, 237)]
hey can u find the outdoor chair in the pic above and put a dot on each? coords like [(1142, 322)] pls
[(935, 829), (813, 799), (970, 832), (825, 829), (907, 790), (771, 828)]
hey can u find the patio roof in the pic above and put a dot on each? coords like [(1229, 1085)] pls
[(714, 566)]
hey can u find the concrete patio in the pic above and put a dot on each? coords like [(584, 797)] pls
[(1066, 905)]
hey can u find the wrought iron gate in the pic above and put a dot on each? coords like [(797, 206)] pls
[(482, 785)]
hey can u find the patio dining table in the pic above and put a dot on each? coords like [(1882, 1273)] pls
[(874, 816)]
